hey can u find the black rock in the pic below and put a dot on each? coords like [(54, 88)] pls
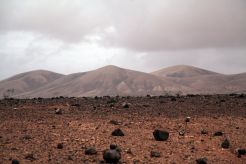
[(173, 99), (58, 111), (155, 154), (90, 151), (118, 132), (160, 135), (201, 161), (60, 146), (15, 161), (225, 144), (203, 131), (111, 156), (187, 119), (113, 146), (241, 151), (219, 133), (125, 105)]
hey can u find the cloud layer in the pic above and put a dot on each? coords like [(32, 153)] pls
[(71, 36)]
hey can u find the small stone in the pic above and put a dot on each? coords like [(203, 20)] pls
[(115, 122), (15, 161), (218, 133), (182, 132), (225, 144), (129, 151), (26, 137), (118, 132), (60, 146), (58, 111), (203, 131), (160, 135), (187, 119), (125, 105), (111, 156), (241, 151), (113, 146), (30, 157), (90, 151), (70, 158), (155, 154), (201, 161)]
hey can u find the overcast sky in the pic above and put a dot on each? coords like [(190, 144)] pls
[(68, 36)]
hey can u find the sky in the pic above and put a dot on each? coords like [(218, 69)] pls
[(67, 36)]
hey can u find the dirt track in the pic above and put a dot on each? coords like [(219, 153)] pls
[(32, 127)]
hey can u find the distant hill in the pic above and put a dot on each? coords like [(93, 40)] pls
[(109, 80), (112, 80), (27, 81), (203, 81), (181, 71)]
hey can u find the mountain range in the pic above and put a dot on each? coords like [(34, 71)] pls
[(112, 80)]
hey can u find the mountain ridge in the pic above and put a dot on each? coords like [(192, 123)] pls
[(113, 80)]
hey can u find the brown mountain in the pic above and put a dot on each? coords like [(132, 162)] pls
[(27, 81), (182, 71), (109, 80), (112, 80), (203, 81)]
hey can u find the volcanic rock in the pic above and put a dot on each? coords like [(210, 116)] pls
[(118, 132), (160, 135)]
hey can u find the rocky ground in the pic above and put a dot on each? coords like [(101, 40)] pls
[(78, 130)]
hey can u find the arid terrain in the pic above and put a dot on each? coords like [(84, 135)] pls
[(59, 130)]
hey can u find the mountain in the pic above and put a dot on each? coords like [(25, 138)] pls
[(203, 81), (109, 80), (181, 71), (112, 80), (27, 81)]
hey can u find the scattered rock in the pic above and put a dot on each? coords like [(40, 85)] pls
[(187, 119), (26, 137), (129, 151), (160, 135), (225, 144), (115, 147), (60, 146), (15, 161), (30, 157), (155, 154), (173, 99), (241, 151), (115, 122), (58, 111), (201, 161), (218, 133), (118, 132), (90, 151), (182, 132), (203, 131), (111, 156), (125, 105), (70, 158)]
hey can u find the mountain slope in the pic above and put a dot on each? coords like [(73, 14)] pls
[(181, 71), (27, 81), (112, 80), (203, 81), (109, 80)]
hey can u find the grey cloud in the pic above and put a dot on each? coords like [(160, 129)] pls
[(160, 25), (67, 20), (140, 25)]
